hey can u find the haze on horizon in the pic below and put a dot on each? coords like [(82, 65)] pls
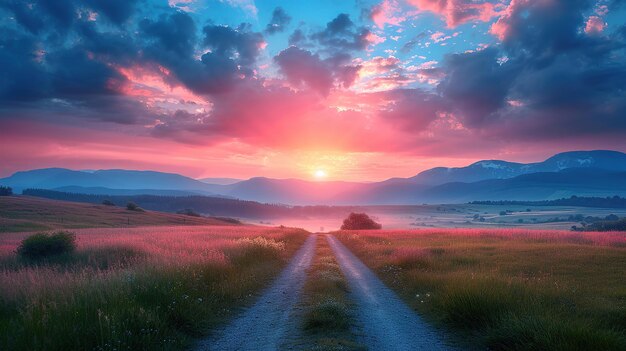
[(359, 90)]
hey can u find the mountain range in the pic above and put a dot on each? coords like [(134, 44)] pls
[(582, 173)]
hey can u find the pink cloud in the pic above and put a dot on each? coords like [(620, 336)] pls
[(501, 28), (150, 85), (602, 10), (595, 25), (456, 12), (374, 39), (387, 12), (377, 65)]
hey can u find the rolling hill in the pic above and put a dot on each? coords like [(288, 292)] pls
[(26, 213)]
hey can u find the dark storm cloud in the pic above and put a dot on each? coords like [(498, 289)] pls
[(341, 34), (61, 11), (116, 46), (23, 78), (24, 15), (331, 64), (477, 84), (174, 33), (547, 79), (301, 66), (240, 42), (117, 11), (37, 14), (413, 109), (297, 38), (280, 20), (175, 43)]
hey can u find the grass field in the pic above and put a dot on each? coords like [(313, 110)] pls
[(25, 213), (508, 289), (136, 288)]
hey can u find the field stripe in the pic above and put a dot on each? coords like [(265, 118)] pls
[(262, 326), (387, 322)]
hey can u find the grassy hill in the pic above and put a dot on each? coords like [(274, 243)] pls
[(25, 213)]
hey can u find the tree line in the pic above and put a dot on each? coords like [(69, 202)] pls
[(580, 201)]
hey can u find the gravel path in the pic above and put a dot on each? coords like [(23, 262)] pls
[(387, 322), (263, 326)]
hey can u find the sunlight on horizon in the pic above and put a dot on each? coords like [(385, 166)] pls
[(320, 174)]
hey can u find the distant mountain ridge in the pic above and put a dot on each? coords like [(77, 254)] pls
[(497, 169), (583, 173), (220, 181), (53, 178)]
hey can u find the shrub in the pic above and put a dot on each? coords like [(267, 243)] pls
[(131, 206), (6, 191), (329, 314), (607, 226), (229, 220), (359, 221), (108, 203), (44, 245), (189, 212)]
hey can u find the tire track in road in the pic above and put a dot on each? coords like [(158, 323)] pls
[(263, 325), (387, 322)]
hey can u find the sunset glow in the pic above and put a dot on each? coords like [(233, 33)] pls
[(370, 89), (320, 174)]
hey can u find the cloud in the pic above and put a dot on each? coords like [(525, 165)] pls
[(301, 66), (546, 79), (118, 11), (564, 82), (595, 25), (175, 32), (280, 20), (476, 84), (387, 12), (239, 43), (341, 34), (413, 109), (231, 52), (456, 12), (246, 5)]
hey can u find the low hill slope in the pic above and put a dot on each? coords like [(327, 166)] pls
[(25, 213)]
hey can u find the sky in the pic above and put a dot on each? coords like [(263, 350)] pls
[(342, 90)]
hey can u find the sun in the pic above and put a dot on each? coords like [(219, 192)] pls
[(320, 174)]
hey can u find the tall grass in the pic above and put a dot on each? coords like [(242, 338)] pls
[(136, 289), (508, 289)]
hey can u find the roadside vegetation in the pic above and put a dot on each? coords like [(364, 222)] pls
[(134, 288), (508, 289), (328, 323)]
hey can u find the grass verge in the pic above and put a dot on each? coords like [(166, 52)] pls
[(508, 289), (138, 290), (327, 320)]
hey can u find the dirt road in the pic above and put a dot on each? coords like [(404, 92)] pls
[(263, 326), (387, 322)]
